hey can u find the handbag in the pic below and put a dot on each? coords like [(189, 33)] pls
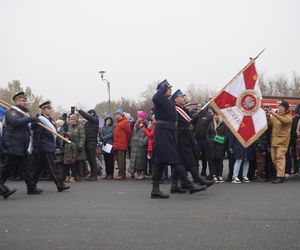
[(218, 139)]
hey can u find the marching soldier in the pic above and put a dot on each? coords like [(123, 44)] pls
[(44, 142), (16, 139), (165, 141), (186, 142)]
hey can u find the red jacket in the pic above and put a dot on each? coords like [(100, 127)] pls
[(122, 134), (150, 134)]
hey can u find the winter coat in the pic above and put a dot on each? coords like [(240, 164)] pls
[(69, 152), (204, 119), (240, 153), (216, 151), (43, 141), (91, 126), (77, 135), (165, 138), (107, 133), (186, 143), (281, 128), (122, 134), (139, 144), (294, 135), (16, 133), (150, 134)]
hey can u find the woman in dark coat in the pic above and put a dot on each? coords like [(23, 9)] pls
[(106, 136), (242, 155), (139, 143), (216, 147)]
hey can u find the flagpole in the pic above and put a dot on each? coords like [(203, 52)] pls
[(8, 106), (251, 61)]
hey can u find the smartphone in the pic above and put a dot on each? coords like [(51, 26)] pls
[(72, 110)]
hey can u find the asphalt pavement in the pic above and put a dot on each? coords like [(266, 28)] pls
[(121, 215)]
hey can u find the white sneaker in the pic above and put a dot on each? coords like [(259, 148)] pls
[(245, 179), (220, 179), (287, 175), (236, 180), (215, 179)]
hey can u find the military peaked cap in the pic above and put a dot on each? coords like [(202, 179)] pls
[(46, 104), (176, 94), (19, 96)]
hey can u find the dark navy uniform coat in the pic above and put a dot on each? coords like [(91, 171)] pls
[(16, 134), (165, 138), (43, 140), (186, 141)]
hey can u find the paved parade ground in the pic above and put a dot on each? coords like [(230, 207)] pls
[(121, 215)]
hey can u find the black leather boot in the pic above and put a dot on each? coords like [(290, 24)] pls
[(8, 193), (34, 190), (193, 188), (156, 193), (5, 192), (205, 182), (176, 189), (278, 180), (62, 187)]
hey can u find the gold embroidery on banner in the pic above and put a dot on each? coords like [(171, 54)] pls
[(249, 102)]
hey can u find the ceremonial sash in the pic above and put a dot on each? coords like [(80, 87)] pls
[(49, 124), (183, 114)]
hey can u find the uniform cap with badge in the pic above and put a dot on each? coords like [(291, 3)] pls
[(177, 93), (19, 95), (163, 84), (45, 105)]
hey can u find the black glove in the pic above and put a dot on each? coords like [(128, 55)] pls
[(34, 119), (80, 149)]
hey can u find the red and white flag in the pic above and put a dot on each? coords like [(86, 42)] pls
[(239, 104)]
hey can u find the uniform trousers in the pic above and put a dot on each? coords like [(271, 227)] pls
[(23, 162), (47, 160)]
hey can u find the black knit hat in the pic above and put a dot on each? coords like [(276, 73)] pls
[(284, 104)]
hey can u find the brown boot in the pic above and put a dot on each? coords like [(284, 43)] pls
[(72, 179), (141, 176), (120, 177), (109, 177), (105, 177), (137, 177), (92, 178)]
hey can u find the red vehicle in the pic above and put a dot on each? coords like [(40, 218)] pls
[(271, 102)]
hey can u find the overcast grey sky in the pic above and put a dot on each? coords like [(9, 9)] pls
[(57, 47)]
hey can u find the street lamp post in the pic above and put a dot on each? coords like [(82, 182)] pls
[(108, 87)]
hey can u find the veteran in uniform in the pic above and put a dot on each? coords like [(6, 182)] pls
[(16, 139), (281, 123), (45, 143), (186, 142), (165, 141)]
